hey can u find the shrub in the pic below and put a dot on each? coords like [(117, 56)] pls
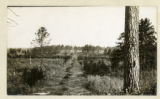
[(31, 76), (96, 68)]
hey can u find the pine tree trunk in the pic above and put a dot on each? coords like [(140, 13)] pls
[(131, 68), (41, 47)]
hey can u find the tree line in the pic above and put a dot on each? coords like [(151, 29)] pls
[(58, 51)]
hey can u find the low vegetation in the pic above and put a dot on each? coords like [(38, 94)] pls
[(148, 82), (105, 85), (111, 85), (24, 78)]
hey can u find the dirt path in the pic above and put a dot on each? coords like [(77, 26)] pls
[(74, 82)]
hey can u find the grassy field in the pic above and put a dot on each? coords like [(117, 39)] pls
[(55, 71), (70, 78)]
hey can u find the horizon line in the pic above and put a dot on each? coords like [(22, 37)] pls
[(63, 45)]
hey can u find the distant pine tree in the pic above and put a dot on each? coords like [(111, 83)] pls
[(148, 45)]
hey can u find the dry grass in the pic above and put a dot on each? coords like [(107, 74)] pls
[(148, 82), (105, 85)]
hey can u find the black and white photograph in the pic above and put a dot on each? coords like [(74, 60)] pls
[(82, 50)]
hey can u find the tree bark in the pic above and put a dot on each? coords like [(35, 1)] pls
[(41, 64), (131, 68)]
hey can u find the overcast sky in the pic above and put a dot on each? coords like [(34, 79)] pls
[(70, 25)]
